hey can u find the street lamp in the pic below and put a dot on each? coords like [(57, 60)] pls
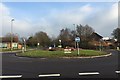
[(117, 44), (24, 44), (38, 45), (60, 43), (101, 46), (12, 32), (75, 34)]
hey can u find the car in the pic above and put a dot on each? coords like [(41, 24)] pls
[(52, 49)]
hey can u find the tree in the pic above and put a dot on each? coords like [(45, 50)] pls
[(14, 37), (84, 31), (31, 41), (42, 38), (88, 31), (116, 34), (66, 37), (80, 30)]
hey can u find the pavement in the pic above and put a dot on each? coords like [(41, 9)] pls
[(16, 51), (25, 67)]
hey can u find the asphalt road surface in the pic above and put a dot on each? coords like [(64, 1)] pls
[(23, 67)]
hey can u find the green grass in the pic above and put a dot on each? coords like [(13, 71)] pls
[(56, 54), (5, 50)]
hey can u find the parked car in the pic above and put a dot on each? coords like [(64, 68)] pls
[(52, 49)]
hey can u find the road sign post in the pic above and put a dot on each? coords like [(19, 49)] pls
[(78, 47), (77, 39)]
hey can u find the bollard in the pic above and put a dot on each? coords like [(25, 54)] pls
[(118, 48), (22, 49)]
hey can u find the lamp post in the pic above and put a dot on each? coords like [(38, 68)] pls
[(60, 43), (38, 45), (24, 44), (117, 44), (75, 35), (12, 32), (101, 46)]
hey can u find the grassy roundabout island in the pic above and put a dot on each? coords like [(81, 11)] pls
[(59, 54)]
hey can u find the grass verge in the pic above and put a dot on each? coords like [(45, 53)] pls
[(57, 54)]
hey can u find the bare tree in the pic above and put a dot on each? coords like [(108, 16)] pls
[(66, 37), (84, 31)]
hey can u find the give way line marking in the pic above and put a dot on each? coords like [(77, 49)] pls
[(15, 76), (49, 75), (89, 73), (118, 72)]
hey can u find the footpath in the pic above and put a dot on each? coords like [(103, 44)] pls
[(15, 51)]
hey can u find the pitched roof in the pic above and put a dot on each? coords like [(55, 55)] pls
[(94, 34), (8, 39)]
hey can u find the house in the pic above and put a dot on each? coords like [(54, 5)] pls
[(95, 36), (97, 40), (5, 42)]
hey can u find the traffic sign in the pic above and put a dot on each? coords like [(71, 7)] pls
[(77, 39)]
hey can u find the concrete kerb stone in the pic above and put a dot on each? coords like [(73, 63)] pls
[(90, 56), (62, 57), (72, 57)]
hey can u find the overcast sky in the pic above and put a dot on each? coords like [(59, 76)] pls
[(51, 17)]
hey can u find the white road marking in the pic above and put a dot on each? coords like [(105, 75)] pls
[(49, 75), (16, 76), (117, 72), (89, 73)]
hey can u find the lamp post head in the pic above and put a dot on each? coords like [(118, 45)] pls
[(12, 19), (115, 40), (23, 39), (59, 40)]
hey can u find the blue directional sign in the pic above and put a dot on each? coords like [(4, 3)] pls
[(77, 39)]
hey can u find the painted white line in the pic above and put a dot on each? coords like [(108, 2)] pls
[(89, 73), (49, 75), (118, 72), (17, 76)]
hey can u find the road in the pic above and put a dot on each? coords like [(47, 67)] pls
[(23, 67)]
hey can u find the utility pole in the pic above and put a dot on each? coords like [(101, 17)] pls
[(12, 32)]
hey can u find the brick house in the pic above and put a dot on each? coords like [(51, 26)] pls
[(5, 42), (97, 40)]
